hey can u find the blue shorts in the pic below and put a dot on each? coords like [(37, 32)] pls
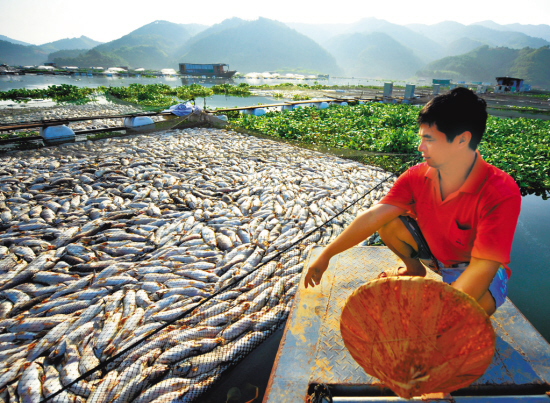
[(497, 288)]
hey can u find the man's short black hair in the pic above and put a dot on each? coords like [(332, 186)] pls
[(455, 112)]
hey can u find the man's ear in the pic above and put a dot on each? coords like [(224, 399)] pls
[(464, 138)]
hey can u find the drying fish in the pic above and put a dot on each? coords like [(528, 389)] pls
[(105, 244)]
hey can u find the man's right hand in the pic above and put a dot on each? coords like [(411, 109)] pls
[(362, 227), (316, 271)]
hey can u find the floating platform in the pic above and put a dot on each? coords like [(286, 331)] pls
[(312, 351)]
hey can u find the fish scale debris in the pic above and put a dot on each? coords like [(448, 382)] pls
[(102, 243)]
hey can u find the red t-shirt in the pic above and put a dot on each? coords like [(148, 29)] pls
[(477, 220)]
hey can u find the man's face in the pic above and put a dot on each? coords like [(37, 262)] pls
[(435, 148)]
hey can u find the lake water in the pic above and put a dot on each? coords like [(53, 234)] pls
[(35, 81), (216, 101), (529, 286)]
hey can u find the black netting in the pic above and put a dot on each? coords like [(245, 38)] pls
[(141, 268)]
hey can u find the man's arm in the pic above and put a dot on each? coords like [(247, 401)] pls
[(360, 229), (477, 278)]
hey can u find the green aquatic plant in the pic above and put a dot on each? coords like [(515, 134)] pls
[(519, 146), (60, 93)]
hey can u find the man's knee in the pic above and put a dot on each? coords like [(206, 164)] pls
[(395, 232), (487, 302), (391, 228)]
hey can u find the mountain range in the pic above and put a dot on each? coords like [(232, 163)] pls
[(370, 47)]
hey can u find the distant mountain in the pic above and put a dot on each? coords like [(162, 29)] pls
[(536, 31), (150, 46), (320, 33), (447, 32), (461, 46), (260, 45), (65, 54), (70, 43), (374, 55), (7, 39), (162, 34), (368, 48), (422, 46), (92, 58), (146, 56), (16, 55), (214, 29), (532, 65), (486, 63)]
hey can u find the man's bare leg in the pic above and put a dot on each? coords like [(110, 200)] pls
[(400, 241), (488, 303)]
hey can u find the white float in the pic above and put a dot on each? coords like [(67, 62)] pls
[(138, 121), (322, 105), (57, 133), (255, 111)]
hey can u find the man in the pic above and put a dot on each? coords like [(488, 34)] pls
[(454, 207)]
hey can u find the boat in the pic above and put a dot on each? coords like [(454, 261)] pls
[(312, 355), (220, 70)]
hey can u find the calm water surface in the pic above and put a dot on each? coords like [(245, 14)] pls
[(529, 286), (34, 81)]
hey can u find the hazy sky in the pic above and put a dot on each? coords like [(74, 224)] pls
[(41, 21)]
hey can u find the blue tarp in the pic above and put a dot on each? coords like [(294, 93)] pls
[(181, 109)]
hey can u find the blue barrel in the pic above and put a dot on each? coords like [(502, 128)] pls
[(258, 112), (322, 105)]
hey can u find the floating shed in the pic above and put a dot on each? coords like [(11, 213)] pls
[(208, 70), (509, 84)]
